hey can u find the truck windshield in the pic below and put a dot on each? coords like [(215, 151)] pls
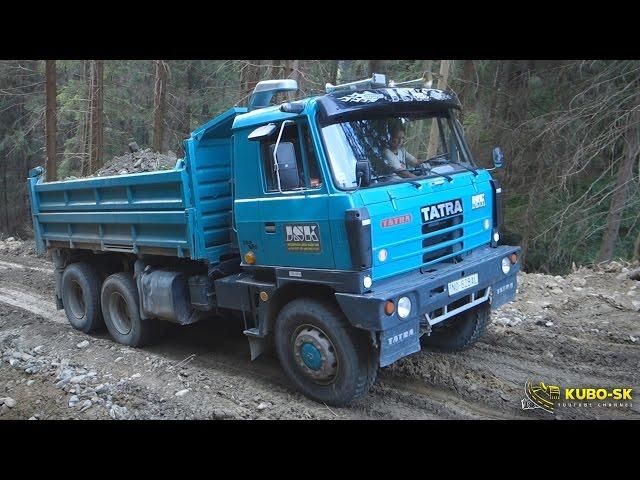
[(398, 149)]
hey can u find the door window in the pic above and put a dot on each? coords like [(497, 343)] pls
[(297, 161)]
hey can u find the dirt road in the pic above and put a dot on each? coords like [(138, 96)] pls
[(579, 331)]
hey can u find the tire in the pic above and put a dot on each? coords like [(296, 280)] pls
[(81, 297), (308, 328), (120, 307), (461, 331)]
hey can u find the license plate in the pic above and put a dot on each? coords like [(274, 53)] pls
[(458, 286)]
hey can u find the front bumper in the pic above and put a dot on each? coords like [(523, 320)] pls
[(430, 299)]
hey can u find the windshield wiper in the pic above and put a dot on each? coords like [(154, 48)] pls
[(414, 182), (431, 172), (446, 160)]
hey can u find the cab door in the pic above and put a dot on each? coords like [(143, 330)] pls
[(294, 212)]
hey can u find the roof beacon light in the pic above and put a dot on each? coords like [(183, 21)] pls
[(377, 80)]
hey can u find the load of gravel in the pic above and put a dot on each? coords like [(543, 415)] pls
[(135, 162)]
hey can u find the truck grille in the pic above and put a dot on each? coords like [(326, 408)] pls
[(436, 225)]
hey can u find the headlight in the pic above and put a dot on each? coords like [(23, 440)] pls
[(367, 282), (404, 307), (506, 265), (382, 255), (496, 237)]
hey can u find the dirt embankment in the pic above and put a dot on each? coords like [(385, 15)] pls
[(581, 330)]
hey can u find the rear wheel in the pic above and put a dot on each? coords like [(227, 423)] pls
[(81, 297), (120, 307), (460, 332), (327, 359)]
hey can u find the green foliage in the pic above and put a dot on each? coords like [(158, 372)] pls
[(559, 123)]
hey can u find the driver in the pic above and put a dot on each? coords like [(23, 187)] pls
[(397, 156)]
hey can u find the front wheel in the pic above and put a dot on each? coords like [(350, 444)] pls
[(326, 358), (459, 332)]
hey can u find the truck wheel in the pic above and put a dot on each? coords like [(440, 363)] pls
[(81, 297), (121, 311), (460, 332), (326, 358)]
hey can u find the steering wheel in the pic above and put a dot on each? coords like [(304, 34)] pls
[(440, 155)]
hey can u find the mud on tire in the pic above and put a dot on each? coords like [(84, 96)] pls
[(81, 297), (352, 362), (120, 307), (460, 332)]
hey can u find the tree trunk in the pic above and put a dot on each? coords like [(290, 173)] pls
[(50, 120), (97, 130), (292, 70), (467, 82), (186, 126), (333, 72), (375, 66), (87, 144), (443, 78), (501, 98), (620, 196), (160, 105)]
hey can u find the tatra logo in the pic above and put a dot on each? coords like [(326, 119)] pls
[(441, 210), (391, 222)]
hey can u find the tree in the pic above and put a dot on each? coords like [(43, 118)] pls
[(97, 130), (443, 78), (333, 72), (160, 104), (375, 66), (621, 189), (50, 120)]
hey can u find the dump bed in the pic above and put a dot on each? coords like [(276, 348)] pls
[(184, 212)]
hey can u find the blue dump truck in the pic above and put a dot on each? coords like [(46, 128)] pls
[(310, 220)]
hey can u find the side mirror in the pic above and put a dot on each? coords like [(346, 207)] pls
[(498, 157), (363, 174), (286, 166), (264, 131)]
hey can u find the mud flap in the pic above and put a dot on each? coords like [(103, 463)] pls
[(399, 342), (503, 291)]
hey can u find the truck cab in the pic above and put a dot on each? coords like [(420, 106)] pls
[(348, 229), (408, 256)]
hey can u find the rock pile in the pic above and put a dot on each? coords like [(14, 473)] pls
[(140, 161)]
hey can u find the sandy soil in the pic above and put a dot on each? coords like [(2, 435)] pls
[(582, 330)]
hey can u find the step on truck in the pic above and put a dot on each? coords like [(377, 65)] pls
[(317, 224)]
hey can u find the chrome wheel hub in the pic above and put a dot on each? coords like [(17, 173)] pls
[(315, 354)]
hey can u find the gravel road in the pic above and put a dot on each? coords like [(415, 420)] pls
[(582, 330)]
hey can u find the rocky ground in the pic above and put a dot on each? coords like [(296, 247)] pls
[(144, 160), (580, 330)]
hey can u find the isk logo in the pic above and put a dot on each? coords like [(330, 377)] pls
[(441, 210)]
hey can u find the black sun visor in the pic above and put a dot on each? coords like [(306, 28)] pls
[(353, 105)]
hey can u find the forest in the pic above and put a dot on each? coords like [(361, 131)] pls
[(570, 132)]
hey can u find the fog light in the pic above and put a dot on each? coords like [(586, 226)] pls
[(496, 237), (389, 307), (367, 282), (382, 255), (404, 307), (506, 265), (486, 224)]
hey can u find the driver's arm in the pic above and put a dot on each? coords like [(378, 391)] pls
[(393, 162), (411, 159)]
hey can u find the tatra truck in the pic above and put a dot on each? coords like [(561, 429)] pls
[(315, 222)]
